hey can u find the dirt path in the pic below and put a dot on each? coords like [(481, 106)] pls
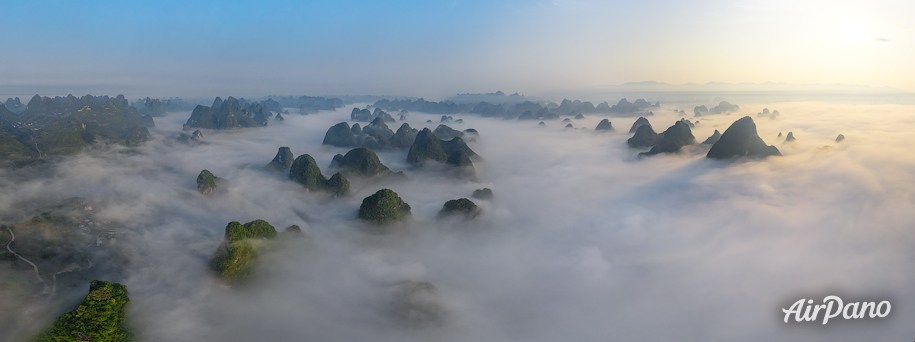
[(9, 249)]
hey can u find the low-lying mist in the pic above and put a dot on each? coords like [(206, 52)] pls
[(583, 241)]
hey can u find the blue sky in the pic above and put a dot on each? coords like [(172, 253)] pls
[(435, 48)]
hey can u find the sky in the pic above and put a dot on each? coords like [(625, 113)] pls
[(438, 48)]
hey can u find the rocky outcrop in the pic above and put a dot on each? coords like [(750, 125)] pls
[(363, 115), (458, 145), (790, 137), (68, 125), (293, 230), (14, 105), (673, 139), (305, 171), (235, 259), (569, 107), (840, 138), (641, 121), (380, 114), (461, 163), (447, 133), (722, 108), (377, 134), (194, 138), (426, 146), (340, 135), (644, 137), (136, 135), (159, 107), (741, 140), (712, 139), (206, 182), (404, 136), (625, 107), (282, 162), (360, 161), (602, 107), (228, 114), (484, 194), (765, 113), (462, 207), (101, 316), (604, 125), (337, 185), (383, 207)]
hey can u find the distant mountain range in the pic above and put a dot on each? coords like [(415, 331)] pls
[(748, 87)]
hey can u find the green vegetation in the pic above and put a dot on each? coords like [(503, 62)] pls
[(340, 135), (282, 161), (305, 171), (100, 317), (67, 125), (235, 258), (234, 261), (61, 138), (337, 185), (206, 182), (257, 229), (361, 161), (426, 146), (384, 207), (10, 147), (462, 206), (454, 152), (404, 136), (228, 114)]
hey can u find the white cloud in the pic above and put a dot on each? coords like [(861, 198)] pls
[(582, 242)]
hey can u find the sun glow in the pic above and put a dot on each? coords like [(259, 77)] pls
[(852, 34)]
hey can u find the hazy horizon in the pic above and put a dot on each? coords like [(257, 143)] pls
[(758, 165), (435, 49)]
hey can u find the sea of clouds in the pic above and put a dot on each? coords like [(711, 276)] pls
[(583, 241)]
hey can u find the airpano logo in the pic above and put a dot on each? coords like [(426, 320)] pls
[(803, 310)]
